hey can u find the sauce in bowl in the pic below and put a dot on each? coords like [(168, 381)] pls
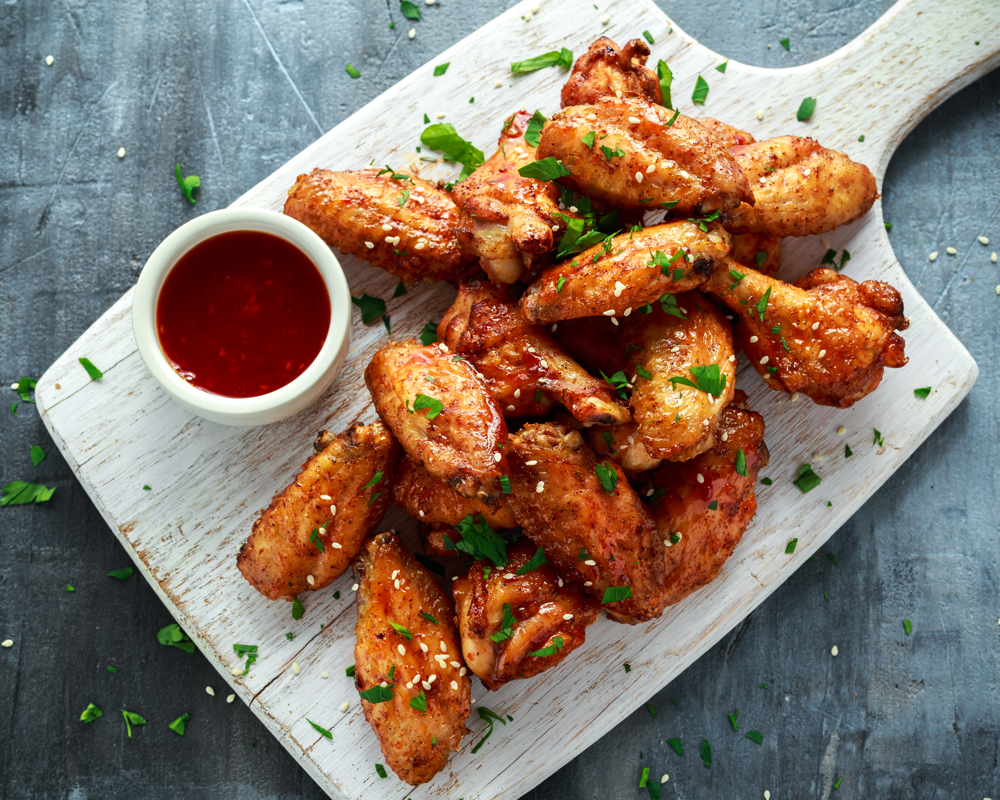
[(242, 314)]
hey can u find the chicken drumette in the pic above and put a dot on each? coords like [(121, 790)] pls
[(827, 337), (607, 71)]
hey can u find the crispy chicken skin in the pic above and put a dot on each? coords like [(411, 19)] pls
[(801, 188), (727, 135), (432, 501), (504, 215), (328, 496), (635, 269), (607, 71), (690, 167), (707, 537), (623, 445), (678, 422), (460, 444), (538, 602), (746, 248), (562, 507), (394, 588), (839, 333), (516, 358), (349, 209)]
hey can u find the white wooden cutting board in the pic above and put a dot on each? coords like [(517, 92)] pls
[(208, 481)]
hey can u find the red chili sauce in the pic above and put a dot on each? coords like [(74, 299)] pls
[(242, 314)]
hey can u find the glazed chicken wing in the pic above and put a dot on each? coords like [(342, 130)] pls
[(517, 358), (622, 152), (313, 528), (626, 273), (606, 71), (416, 661), (443, 415), (691, 345), (827, 336), (392, 220), (801, 188), (507, 218), (432, 501), (515, 626), (605, 541), (756, 250), (623, 445), (702, 538)]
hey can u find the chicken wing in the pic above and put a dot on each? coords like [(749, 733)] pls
[(679, 497), (517, 358), (607, 71), (443, 415), (624, 153), (604, 540), (506, 218), (827, 336), (434, 502), (593, 342), (517, 625), (626, 272), (415, 692), (623, 445), (727, 135), (756, 250), (801, 188), (313, 528), (392, 220), (683, 374)]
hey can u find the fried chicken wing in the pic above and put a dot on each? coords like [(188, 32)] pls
[(604, 541), (506, 218), (514, 626), (756, 250), (395, 221), (313, 528), (607, 71), (623, 445), (801, 188), (434, 502), (443, 415), (644, 163), (693, 344), (728, 135), (517, 358), (416, 658), (626, 273), (702, 538), (834, 335)]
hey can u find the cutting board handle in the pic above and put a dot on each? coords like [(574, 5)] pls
[(916, 56)]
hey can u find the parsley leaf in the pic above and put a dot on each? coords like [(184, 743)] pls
[(790, 547), (607, 476), (786, 44), (922, 393), (178, 725), (419, 703), (479, 540), (534, 129), (755, 736), (121, 574), (556, 58), (700, 91), (441, 69), (732, 719), (443, 136), (24, 387), (536, 561), (548, 169), (806, 109), (90, 713), (94, 373), (610, 153), (297, 608), (648, 37), (676, 745), (317, 542), (737, 277), (708, 379), (429, 617), (615, 593), (173, 636), (371, 307), (188, 184), (429, 334), (409, 10), (375, 479), (759, 259), (131, 718), (320, 730), (506, 627), (18, 493), (490, 717), (878, 439), (666, 78), (377, 694), (741, 463), (588, 139), (907, 626), (807, 479), (433, 406), (551, 650), (762, 303), (847, 451), (402, 630), (706, 752), (351, 70), (618, 382), (380, 771)]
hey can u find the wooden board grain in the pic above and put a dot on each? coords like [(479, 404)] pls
[(209, 481)]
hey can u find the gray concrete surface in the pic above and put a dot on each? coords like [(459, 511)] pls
[(233, 88)]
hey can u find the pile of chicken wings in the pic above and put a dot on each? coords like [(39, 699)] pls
[(573, 441)]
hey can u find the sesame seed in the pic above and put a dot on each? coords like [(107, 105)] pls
[(443, 347), (497, 456), (455, 664), (354, 588), (432, 678), (420, 513), (324, 674), (386, 226), (665, 778), (230, 698), (388, 239), (605, 19), (983, 240), (822, 353), (444, 647), (295, 668), (591, 117), (370, 245), (767, 795), (424, 647), (590, 562), (454, 685), (517, 393), (794, 398), (650, 169), (237, 671), (461, 672), (932, 256), (950, 251), (497, 83), (818, 455), (753, 340), (666, 543), (567, 616), (210, 691), (344, 706), (634, 120), (530, 463), (638, 177), (49, 60), (531, 349), (510, 409), (998, 289), (815, 326), (14, 386), (588, 583), (441, 115), (560, 582), (993, 257), (416, 678), (396, 583), (764, 360), (540, 487), (614, 322), (426, 685), (401, 649), (841, 430), (760, 113), (711, 399), (732, 358), (701, 478), (412, 34), (834, 650), (310, 580), (725, 436), (429, 2), (336, 545), (508, 576), (619, 288), (419, 246), (609, 313), (650, 492), (544, 365), (627, 311), (121, 152)]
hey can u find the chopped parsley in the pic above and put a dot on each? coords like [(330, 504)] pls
[(642, 372), (180, 724), (762, 303), (37, 455), (377, 694), (506, 626), (94, 373), (533, 132), (351, 70), (479, 540), (380, 771), (409, 10), (877, 440), (556, 58), (548, 169), (847, 451), (429, 617), (732, 719), (737, 277), (651, 709), (755, 736), (490, 717), (837, 784), (922, 393), (614, 594), (122, 574), (648, 37), (443, 136), (706, 752), (786, 44), (297, 608), (666, 78), (429, 333), (676, 745), (188, 184), (907, 626), (807, 480), (419, 703), (551, 650), (741, 463), (722, 66), (588, 139), (790, 547), (536, 561), (505, 484), (402, 630), (618, 382), (607, 476), (441, 69), (611, 152), (628, 667), (759, 259), (90, 713), (131, 718), (423, 401), (248, 650), (766, 481), (320, 729), (349, 672), (700, 91), (317, 542), (23, 388), (372, 308), (645, 770), (708, 379), (173, 636), (713, 506), (806, 109)]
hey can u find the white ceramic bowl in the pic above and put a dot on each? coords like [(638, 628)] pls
[(292, 397)]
